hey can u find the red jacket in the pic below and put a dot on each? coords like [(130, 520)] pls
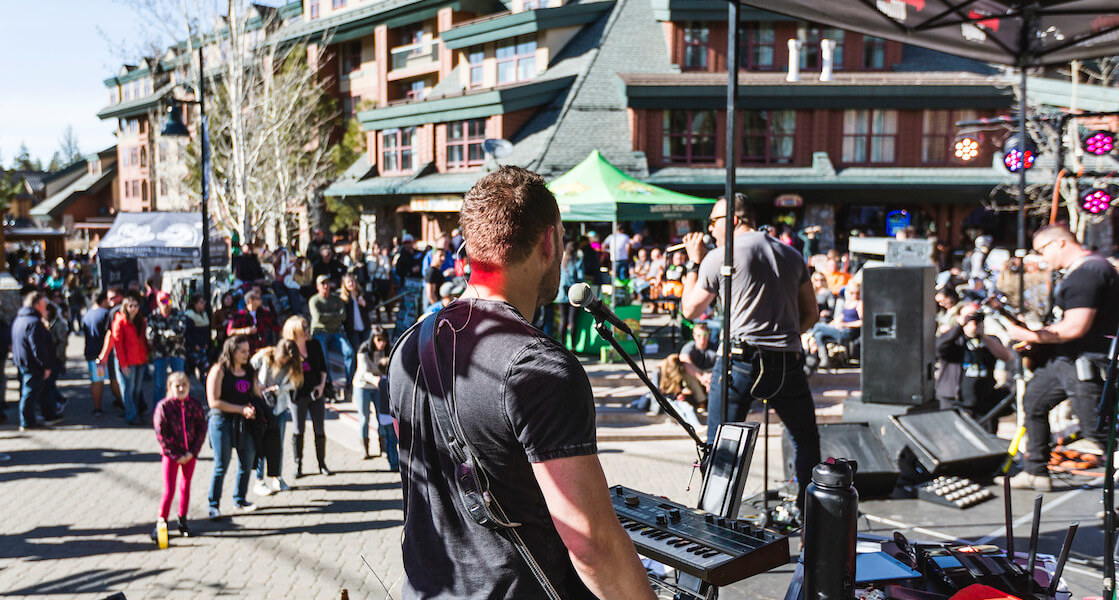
[(130, 345)]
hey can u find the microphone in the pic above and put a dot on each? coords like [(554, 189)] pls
[(581, 296), (707, 241)]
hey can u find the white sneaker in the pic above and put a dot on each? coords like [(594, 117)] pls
[(246, 506), (262, 489), (1027, 481), (279, 485), (215, 514)]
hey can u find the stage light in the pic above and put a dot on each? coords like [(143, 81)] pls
[(1096, 200), (1015, 157), (1099, 142), (966, 148)]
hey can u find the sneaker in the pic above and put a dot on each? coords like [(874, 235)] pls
[(215, 514), (279, 485), (97, 412), (53, 421), (246, 506), (1028, 481), (261, 488)]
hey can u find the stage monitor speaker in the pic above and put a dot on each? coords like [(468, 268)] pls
[(898, 335), (945, 442), (877, 474)]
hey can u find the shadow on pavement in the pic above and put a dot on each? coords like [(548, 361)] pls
[(353, 487), (363, 508), (48, 543), (59, 473), (62, 456), (94, 580)]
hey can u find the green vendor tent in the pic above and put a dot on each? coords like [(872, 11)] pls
[(597, 191)]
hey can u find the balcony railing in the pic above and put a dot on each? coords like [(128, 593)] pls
[(414, 55)]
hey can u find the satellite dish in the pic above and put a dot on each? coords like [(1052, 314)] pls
[(498, 148)]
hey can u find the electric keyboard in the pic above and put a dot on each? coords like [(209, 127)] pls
[(718, 551)]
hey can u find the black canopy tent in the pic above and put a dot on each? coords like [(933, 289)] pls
[(138, 243), (1017, 33)]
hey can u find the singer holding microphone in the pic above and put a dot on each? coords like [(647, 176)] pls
[(773, 304), (524, 403)]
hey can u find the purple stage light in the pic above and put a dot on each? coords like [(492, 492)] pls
[(1015, 157), (1099, 142), (1096, 201)]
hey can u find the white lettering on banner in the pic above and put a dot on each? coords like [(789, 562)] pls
[(671, 208), (789, 201), (448, 203), (973, 33)]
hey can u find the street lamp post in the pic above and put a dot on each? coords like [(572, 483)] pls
[(175, 128)]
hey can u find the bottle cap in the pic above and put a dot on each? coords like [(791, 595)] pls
[(835, 472)]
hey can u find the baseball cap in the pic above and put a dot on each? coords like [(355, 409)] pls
[(322, 278), (162, 297), (407, 237)]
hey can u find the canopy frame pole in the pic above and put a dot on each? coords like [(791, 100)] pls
[(731, 154)]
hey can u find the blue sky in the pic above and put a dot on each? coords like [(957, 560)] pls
[(53, 60)]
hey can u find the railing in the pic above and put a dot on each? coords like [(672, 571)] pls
[(414, 55)]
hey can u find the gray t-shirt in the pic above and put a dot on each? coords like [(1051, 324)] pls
[(765, 283)]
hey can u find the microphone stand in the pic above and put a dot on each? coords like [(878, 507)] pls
[(606, 332), (1107, 420)]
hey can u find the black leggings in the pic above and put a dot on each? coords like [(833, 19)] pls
[(567, 320), (273, 449), (317, 410)]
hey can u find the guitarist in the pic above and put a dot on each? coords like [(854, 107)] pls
[(1088, 298)]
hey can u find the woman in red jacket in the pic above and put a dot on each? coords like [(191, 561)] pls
[(128, 340)]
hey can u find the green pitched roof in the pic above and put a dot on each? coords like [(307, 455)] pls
[(135, 107), (509, 25)]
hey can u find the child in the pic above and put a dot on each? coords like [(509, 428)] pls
[(180, 427)]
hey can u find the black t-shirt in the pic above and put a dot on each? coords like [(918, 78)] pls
[(314, 365), (704, 360), (1092, 284), (434, 275), (521, 398)]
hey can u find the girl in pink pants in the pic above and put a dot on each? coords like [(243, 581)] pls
[(180, 427)]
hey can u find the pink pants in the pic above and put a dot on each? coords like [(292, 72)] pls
[(170, 474)]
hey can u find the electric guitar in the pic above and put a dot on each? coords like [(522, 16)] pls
[(1033, 355)]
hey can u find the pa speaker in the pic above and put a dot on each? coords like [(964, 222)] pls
[(945, 442), (898, 335), (877, 473)]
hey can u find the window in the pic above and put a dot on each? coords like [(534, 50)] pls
[(689, 136), (162, 187), (869, 136), (313, 8), (767, 137), (351, 58), (396, 149), (516, 59), (143, 157), (336, 4), (135, 156), (758, 47), (812, 57), (874, 52), (355, 105), (415, 90), (937, 129), (475, 58), (530, 4), (126, 187), (144, 192), (464, 144), (114, 95), (162, 151), (135, 189), (695, 46)]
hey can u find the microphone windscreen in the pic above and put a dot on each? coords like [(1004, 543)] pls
[(708, 240), (579, 294)]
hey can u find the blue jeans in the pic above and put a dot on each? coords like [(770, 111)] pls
[(380, 405), (331, 340), (225, 436), (32, 392), (176, 363), (783, 381), (838, 335), (130, 391), (621, 269)]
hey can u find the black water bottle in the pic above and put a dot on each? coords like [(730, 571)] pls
[(831, 511)]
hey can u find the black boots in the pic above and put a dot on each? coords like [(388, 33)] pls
[(320, 454), (297, 453), (183, 529), (365, 447)]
